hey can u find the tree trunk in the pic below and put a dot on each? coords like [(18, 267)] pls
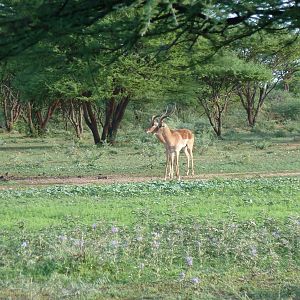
[(286, 86), (250, 117), (73, 111), (28, 118), (252, 98), (109, 110), (91, 120), (114, 113), (12, 112), (11, 106), (43, 120), (215, 113)]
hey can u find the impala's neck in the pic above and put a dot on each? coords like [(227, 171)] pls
[(167, 134), (160, 136)]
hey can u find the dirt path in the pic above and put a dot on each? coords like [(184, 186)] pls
[(14, 182)]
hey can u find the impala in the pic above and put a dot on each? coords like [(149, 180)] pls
[(174, 141)]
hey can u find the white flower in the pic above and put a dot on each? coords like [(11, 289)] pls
[(24, 244)]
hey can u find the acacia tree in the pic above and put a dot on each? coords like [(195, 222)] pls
[(100, 86), (252, 95), (38, 102), (218, 79), (132, 78), (217, 82), (270, 52)]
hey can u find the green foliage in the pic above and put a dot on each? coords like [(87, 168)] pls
[(27, 23), (230, 66), (294, 83), (286, 105)]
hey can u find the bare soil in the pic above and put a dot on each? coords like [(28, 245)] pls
[(9, 182)]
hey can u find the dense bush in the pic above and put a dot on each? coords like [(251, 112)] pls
[(285, 105)]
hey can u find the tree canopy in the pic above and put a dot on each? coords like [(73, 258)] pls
[(91, 58), (25, 23)]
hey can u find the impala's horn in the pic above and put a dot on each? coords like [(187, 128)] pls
[(169, 111), (153, 119)]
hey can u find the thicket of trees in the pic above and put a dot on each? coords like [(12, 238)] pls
[(87, 60)]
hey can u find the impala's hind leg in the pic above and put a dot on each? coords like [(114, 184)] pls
[(186, 152), (190, 151)]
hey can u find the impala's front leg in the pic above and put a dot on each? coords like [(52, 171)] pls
[(172, 158), (168, 166), (177, 164)]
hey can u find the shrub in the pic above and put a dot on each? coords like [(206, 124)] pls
[(286, 105)]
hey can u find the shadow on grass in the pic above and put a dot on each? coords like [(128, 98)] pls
[(291, 292), (257, 135), (22, 148)]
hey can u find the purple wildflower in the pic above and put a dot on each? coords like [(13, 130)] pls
[(156, 235), (142, 266), (195, 280), (62, 238), (78, 243), (155, 244), (189, 261), (114, 243), (139, 238), (181, 276), (253, 251), (114, 229)]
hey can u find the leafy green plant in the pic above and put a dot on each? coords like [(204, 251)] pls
[(261, 145)]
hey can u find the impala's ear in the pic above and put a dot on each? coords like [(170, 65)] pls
[(161, 123)]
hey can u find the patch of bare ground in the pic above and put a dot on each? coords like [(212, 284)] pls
[(289, 146), (11, 182)]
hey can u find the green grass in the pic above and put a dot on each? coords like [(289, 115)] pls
[(123, 203), (219, 239), (141, 154)]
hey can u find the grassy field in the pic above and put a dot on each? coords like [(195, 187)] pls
[(213, 239), (219, 239), (145, 156)]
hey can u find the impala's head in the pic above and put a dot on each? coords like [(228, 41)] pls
[(153, 125), (157, 121)]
